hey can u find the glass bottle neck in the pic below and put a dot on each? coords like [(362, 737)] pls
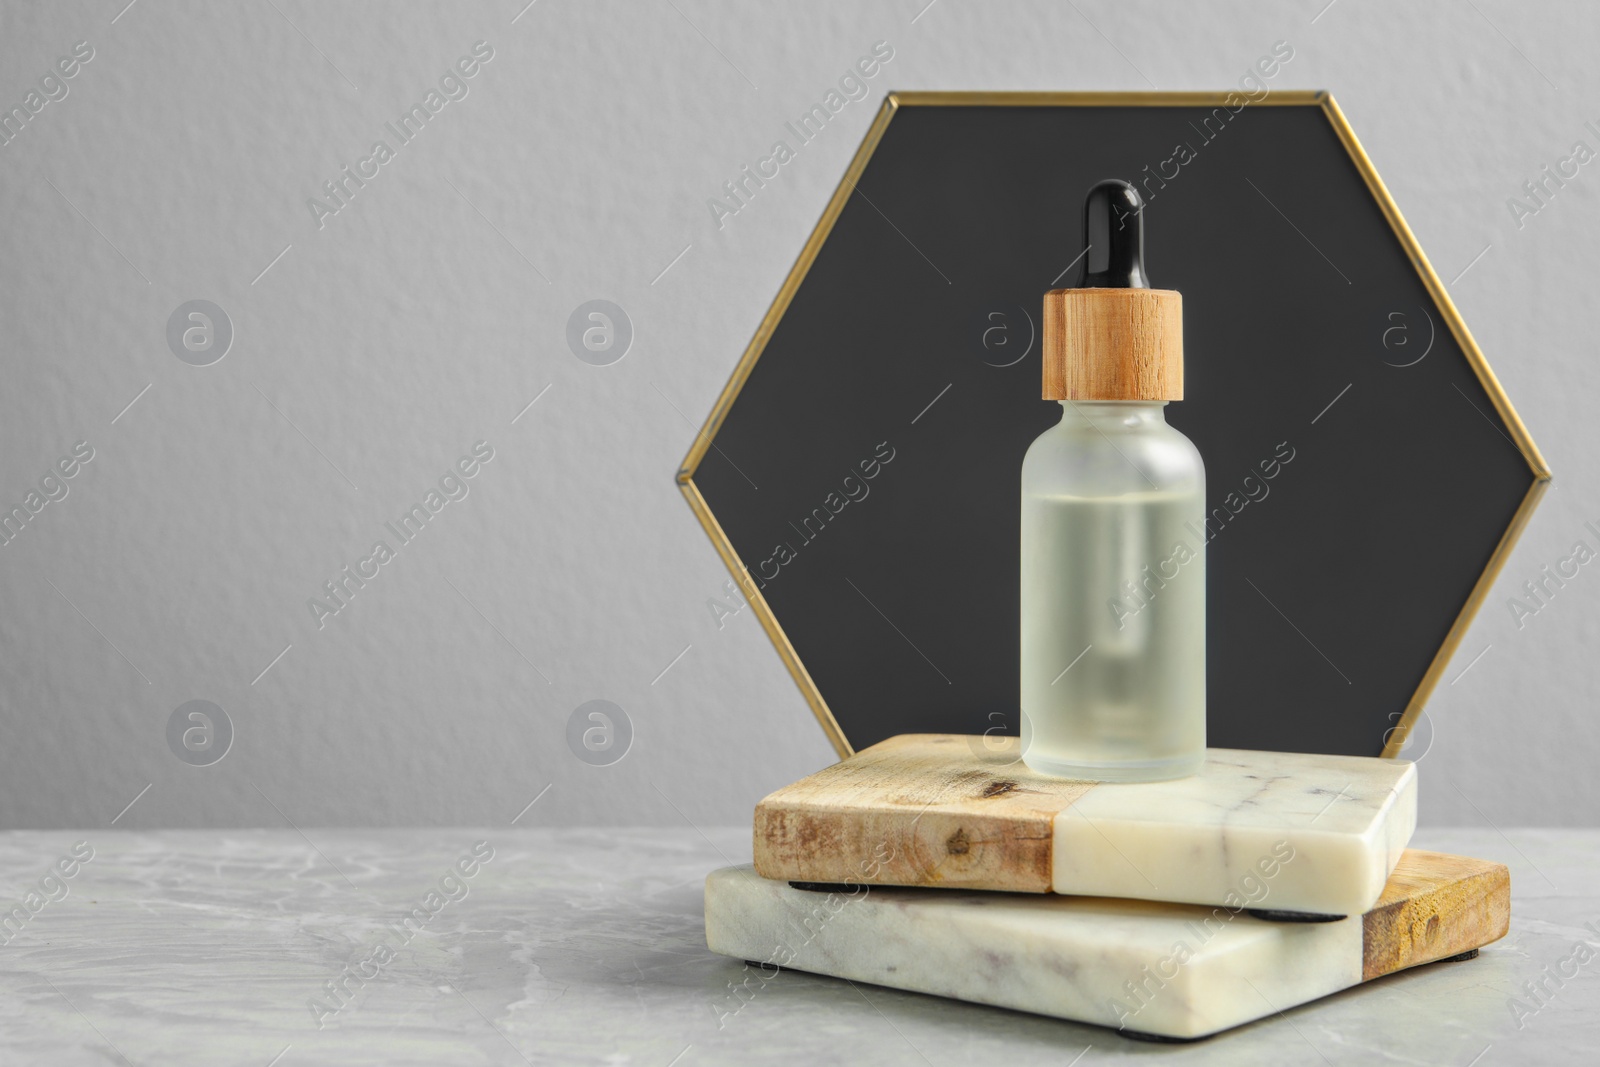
[(1121, 414)]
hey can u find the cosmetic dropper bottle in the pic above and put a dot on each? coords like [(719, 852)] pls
[(1113, 514)]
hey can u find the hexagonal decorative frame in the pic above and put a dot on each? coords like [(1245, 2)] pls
[(859, 287)]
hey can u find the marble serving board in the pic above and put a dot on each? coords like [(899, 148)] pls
[(1148, 969), (965, 812)]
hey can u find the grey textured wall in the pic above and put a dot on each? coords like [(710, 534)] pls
[(373, 347)]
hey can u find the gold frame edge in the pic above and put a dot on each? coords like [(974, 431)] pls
[(1395, 738)]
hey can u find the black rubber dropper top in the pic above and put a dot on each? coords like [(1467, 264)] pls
[(1113, 230)]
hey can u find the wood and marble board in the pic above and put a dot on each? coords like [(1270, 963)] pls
[(1149, 969), (964, 812)]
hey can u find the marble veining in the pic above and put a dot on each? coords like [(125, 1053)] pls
[(1282, 830), (586, 947), (1170, 969)]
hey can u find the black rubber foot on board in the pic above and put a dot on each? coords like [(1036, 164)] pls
[(1470, 954), (1158, 1039), (823, 887), (1272, 916)]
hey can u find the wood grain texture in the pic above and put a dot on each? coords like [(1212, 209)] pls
[(872, 818), (1434, 906), (1110, 962), (1112, 344), (963, 811)]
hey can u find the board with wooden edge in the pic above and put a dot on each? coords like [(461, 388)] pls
[(1322, 833), (1151, 970)]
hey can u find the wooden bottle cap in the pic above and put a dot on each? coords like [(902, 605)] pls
[(1113, 337), (1113, 344)]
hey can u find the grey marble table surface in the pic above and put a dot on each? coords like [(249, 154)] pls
[(586, 946)]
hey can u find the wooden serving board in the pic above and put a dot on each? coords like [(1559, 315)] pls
[(1169, 970), (964, 812)]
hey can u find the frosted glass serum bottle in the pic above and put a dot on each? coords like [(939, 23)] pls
[(1113, 514)]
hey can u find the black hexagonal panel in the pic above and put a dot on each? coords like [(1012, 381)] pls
[(1336, 588)]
